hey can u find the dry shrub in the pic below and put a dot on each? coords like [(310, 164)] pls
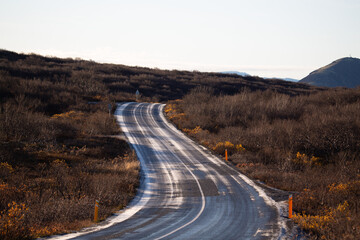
[(99, 123), (62, 194), (231, 148), (56, 155), (34, 88), (308, 144), (334, 223), (19, 124), (13, 222), (52, 169)]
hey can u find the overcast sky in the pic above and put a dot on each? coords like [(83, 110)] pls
[(281, 38)]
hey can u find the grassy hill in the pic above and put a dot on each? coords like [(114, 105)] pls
[(90, 80), (344, 72), (57, 151)]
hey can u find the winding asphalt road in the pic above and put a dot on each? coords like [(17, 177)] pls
[(185, 192)]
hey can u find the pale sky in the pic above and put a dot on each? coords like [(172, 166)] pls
[(267, 38)]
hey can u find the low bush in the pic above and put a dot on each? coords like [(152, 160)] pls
[(306, 144), (53, 168)]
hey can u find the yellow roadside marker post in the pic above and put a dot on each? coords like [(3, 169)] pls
[(226, 155), (96, 213)]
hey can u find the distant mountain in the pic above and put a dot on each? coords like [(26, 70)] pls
[(243, 74), (289, 79), (284, 79), (344, 72)]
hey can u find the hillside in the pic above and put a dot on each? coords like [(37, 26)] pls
[(89, 79), (344, 72), (57, 151)]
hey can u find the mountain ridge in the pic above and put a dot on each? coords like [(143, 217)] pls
[(244, 74), (344, 72)]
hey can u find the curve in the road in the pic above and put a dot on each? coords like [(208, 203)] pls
[(185, 192)]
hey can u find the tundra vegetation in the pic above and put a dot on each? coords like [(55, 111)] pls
[(59, 151), (306, 144)]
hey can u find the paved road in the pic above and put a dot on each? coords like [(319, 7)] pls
[(186, 193)]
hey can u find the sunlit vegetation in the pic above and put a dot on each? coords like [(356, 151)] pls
[(58, 153), (231, 148), (306, 144), (64, 81), (53, 168)]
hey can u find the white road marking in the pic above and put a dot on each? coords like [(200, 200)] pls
[(269, 201), (174, 176), (203, 201)]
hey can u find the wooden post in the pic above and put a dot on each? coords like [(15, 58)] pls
[(110, 107), (290, 206), (226, 155), (96, 213)]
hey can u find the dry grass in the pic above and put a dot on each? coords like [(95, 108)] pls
[(59, 193), (64, 81), (53, 149), (53, 168), (305, 144)]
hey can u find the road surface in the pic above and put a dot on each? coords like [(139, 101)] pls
[(185, 192)]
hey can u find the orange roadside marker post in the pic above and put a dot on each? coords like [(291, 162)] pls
[(226, 155), (290, 206), (96, 213)]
